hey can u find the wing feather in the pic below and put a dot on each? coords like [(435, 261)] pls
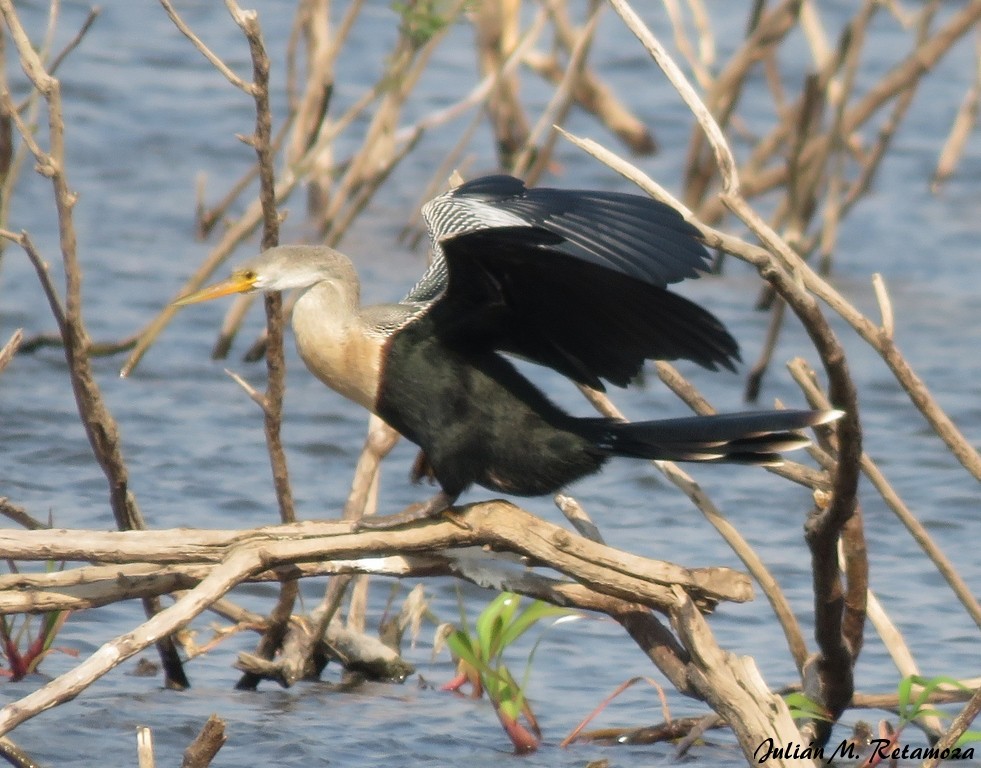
[(632, 234), (521, 290)]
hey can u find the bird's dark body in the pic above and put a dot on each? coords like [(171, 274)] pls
[(479, 420), (579, 288)]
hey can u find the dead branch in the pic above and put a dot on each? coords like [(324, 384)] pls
[(19, 515), (729, 533), (805, 377), (957, 728), (16, 756), (960, 130), (202, 750), (497, 525), (100, 426), (10, 348), (733, 687)]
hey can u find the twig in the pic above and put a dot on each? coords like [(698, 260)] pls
[(898, 650), (255, 395), (579, 518), (885, 305), (804, 376), (215, 60), (771, 589), (10, 348), (261, 141), (101, 428), (72, 44), (19, 515), (957, 728), (16, 756), (962, 127)]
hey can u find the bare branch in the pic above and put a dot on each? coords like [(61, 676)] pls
[(215, 60)]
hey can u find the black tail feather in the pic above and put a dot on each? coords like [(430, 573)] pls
[(752, 437)]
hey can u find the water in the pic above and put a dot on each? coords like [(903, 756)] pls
[(146, 115)]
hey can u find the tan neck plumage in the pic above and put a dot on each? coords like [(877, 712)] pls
[(335, 344)]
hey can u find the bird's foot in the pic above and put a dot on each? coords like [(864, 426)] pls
[(433, 507)]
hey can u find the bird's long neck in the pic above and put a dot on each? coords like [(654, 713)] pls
[(335, 342)]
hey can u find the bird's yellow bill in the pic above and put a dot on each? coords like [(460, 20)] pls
[(235, 284)]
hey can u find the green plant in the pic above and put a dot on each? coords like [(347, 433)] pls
[(422, 19), (910, 709), (480, 653), (803, 707), (913, 707), (24, 650)]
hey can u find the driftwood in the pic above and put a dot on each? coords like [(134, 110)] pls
[(236, 557), (331, 546)]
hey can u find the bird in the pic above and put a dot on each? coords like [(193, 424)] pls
[(573, 280)]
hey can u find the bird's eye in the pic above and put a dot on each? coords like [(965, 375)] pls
[(249, 274)]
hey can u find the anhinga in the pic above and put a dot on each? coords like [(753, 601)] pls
[(570, 279)]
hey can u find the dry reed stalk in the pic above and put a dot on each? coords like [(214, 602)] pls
[(100, 426), (496, 28), (536, 153), (963, 125), (589, 91)]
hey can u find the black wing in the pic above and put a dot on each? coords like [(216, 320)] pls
[(522, 290), (632, 234)]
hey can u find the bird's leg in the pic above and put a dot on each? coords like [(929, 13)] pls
[(430, 508)]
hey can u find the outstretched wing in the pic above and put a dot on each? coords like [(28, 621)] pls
[(526, 291), (632, 234)]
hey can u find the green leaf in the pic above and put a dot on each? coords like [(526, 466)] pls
[(909, 711), (803, 707), (967, 737), (530, 616), (460, 644), (903, 692), (493, 619)]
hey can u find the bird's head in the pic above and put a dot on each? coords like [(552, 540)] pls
[(281, 269)]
